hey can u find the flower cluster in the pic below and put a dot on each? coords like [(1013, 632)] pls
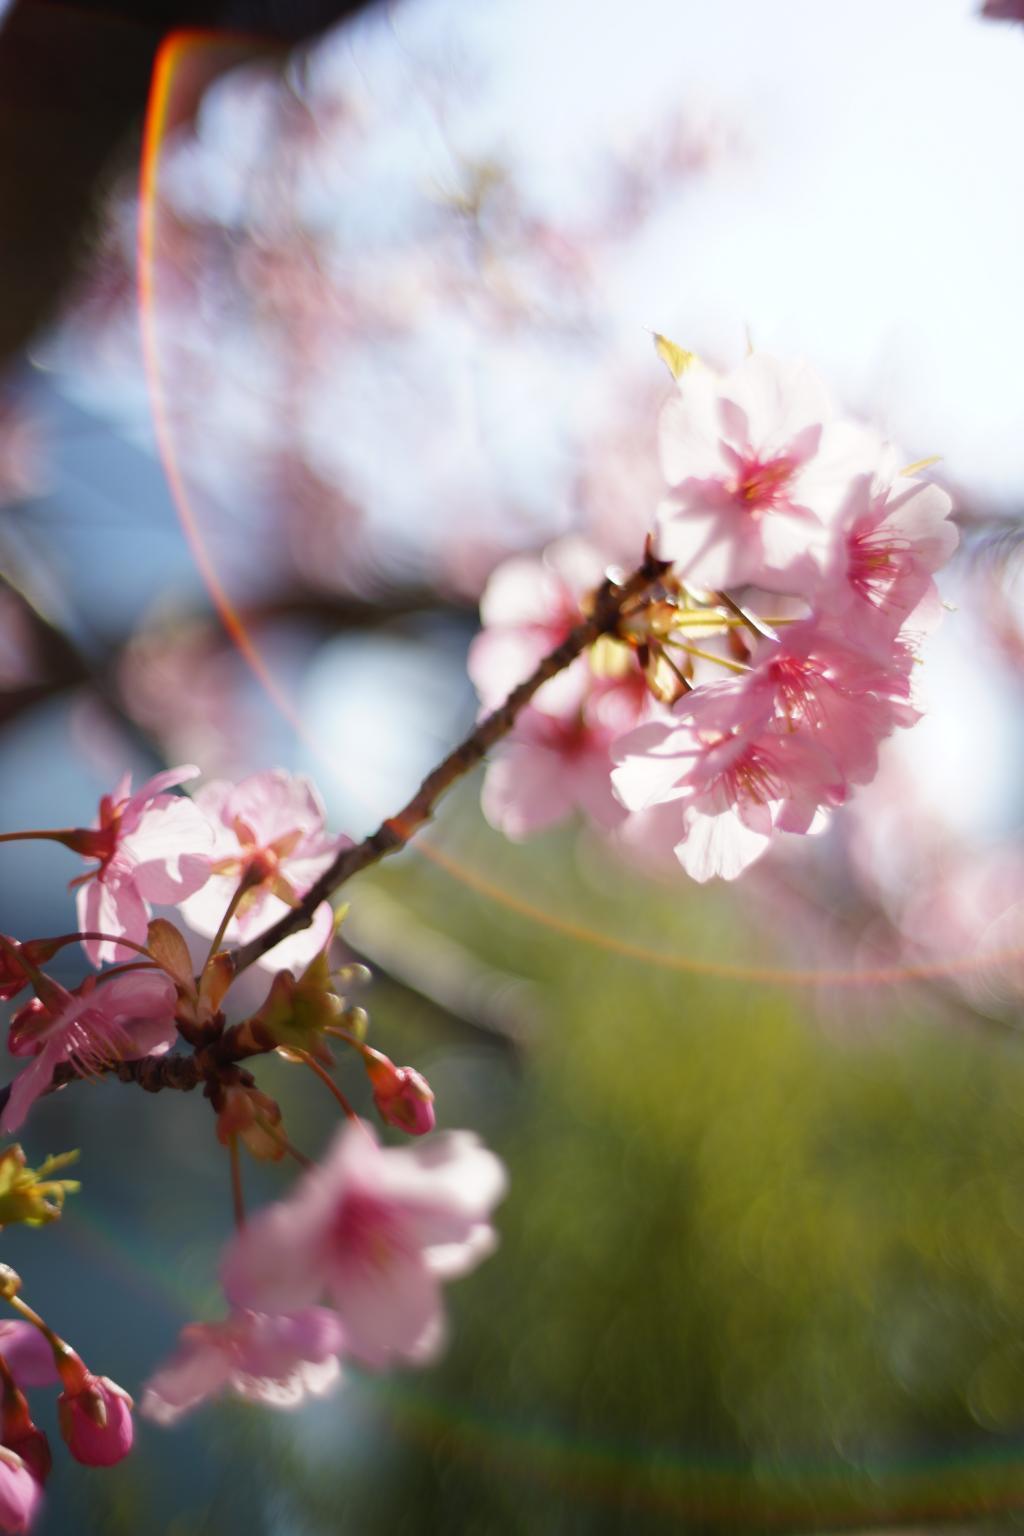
[(350, 1265), (93, 1412), (750, 688)]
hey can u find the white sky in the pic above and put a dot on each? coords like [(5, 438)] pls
[(875, 220)]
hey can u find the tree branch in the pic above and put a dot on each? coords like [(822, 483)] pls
[(612, 601), (211, 1061)]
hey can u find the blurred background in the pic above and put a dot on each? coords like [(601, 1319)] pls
[(762, 1263)]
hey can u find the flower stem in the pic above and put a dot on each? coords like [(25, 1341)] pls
[(238, 1199), (721, 661), (218, 937), (325, 1077), (613, 599)]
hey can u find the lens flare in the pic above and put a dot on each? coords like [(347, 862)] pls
[(186, 63)]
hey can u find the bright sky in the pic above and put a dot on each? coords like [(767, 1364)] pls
[(875, 220)]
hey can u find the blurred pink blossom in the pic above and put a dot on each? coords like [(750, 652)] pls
[(377, 1229), (265, 1358), (28, 1354), (20, 1493), (528, 607)]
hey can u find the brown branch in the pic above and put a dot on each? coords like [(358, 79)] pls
[(209, 1063), (612, 601)]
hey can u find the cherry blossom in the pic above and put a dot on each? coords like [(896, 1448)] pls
[(557, 761), (758, 472), (101, 1021), (276, 1360), (153, 848), (269, 832), (528, 607), (735, 783), (376, 1229), (893, 538)]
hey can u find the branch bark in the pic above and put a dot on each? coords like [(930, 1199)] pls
[(612, 600), (185, 1071)]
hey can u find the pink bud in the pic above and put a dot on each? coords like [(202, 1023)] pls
[(13, 976), (20, 1493), (34, 1449), (96, 1421), (402, 1095)]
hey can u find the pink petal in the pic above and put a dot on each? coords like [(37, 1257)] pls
[(28, 1355), (719, 845)]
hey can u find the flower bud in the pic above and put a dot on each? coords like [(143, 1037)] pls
[(251, 1116), (296, 1013), (14, 977), (96, 1421), (29, 1195), (402, 1095), (10, 1282), (20, 1493)]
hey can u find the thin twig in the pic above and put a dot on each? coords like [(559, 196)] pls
[(612, 600)]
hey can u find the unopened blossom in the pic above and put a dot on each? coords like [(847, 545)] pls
[(21, 1493), (758, 471), (402, 1095), (376, 1230), (31, 1195), (28, 1354), (100, 1022), (152, 847), (269, 832), (95, 1417), (273, 1359), (14, 978)]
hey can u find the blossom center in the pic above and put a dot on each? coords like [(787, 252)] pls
[(364, 1229), (762, 483), (876, 562)]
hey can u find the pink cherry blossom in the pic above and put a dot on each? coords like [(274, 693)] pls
[(735, 781), (556, 763), (893, 538), (128, 1016), (276, 1360), (376, 1229), (152, 847), (528, 607), (96, 1421), (20, 1493), (848, 699), (269, 831), (758, 471)]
